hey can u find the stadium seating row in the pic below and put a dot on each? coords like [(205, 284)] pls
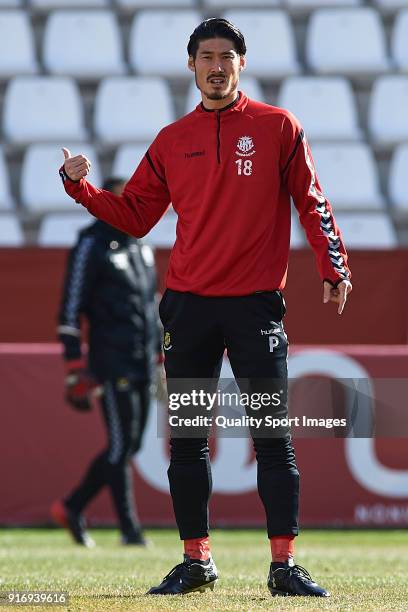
[(360, 231), (86, 30), (129, 109), (386, 5), (61, 229), (347, 173)]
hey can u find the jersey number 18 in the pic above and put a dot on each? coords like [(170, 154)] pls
[(244, 167)]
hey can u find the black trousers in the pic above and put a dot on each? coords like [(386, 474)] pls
[(125, 406), (196, 332)]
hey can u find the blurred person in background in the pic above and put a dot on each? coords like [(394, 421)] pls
[(110, 281), (230, 168)]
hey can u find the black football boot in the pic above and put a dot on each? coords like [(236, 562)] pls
[(134, 538), (286, 579), (73, 522), (191, 575)]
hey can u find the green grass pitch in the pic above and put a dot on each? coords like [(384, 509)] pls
[(363, 570)]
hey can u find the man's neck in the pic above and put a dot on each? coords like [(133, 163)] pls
[(219, 104)]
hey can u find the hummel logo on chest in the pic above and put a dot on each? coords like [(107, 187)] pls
[(194, 154)]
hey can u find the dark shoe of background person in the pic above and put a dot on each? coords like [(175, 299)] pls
[(191, 575), (287, 580), (134, 538), (74, 523)]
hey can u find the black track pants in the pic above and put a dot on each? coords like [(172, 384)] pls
[(124, 408), (196, 332)]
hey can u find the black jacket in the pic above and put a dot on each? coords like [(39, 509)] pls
[(111, 281)]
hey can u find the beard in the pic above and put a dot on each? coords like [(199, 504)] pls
[(218, 95), (215, 96)]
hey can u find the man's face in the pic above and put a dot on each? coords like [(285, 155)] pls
[(216, 66)]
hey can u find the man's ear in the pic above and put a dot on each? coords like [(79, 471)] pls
[(242, 62), (191, 63)]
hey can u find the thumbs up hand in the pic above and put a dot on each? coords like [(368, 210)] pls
[(75, 167)]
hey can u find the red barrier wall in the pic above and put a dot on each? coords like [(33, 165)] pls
[(376, 314), (45, 447)]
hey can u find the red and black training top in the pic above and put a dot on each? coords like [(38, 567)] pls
[(230, 175)]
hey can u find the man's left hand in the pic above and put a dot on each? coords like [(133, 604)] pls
[(80, 387), (338, 294)]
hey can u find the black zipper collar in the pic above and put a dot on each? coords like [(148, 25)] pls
[(218, 138), (220, 110)]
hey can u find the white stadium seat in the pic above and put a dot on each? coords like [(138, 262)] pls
[(270, 42), (302, 6), (127, 159), (387, 111), (46, 5), (173, 29), (41, 186), (297, 235), (163, 235), (390, 6), (397, 184), (61, 229), (324, 105), (17, 55), (247, 84), (91, 47), (43, 109), (6, 201), (348, 175), (11, 234), (132, 109), (367, 231), (132, 5), (240, 3), (399, 41), (347, 41)]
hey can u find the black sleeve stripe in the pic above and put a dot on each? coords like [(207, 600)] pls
[(76, 282), (292, 155), (149, 159)]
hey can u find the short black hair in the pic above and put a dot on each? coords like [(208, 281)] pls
[(216, 27), (113, 181)]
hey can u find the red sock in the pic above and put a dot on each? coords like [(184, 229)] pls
[(282, 548), (198, 548)]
